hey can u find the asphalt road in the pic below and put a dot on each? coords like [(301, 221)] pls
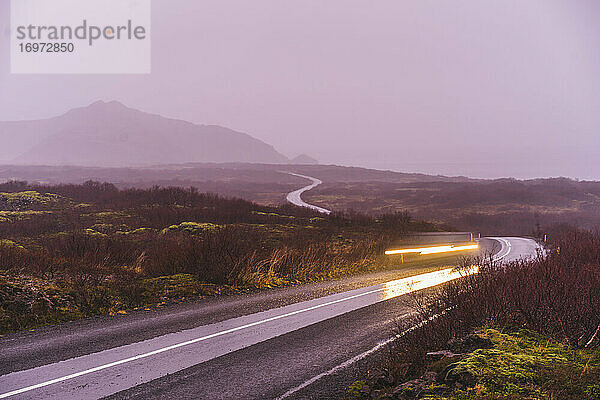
[(514, 248), (295, 196), (302, 342)]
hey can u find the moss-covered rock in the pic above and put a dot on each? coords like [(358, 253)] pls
[(191, 227), (520, 365), (27, 303), (176, 287), (137, 231), (272, 214), (24, 200), (93, 232), (11, 216), (524, 365), (10, 243)]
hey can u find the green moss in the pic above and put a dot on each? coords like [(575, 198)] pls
[(108, 217), (93, 232), (28, 302), (109, 214), (10, 243), (191, 227), (134, 231), (103, 228), (355, 390), (272, 214), (29, 198), (526, 365), (175, 287), (11, 216), (593, 390)]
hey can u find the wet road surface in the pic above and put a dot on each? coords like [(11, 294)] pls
[(255, 346)]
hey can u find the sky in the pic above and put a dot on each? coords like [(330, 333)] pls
[(491, 88)]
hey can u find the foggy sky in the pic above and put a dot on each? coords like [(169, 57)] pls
[(478, 88)]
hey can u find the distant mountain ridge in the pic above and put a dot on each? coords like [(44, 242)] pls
[(111, 134), (304, 159)]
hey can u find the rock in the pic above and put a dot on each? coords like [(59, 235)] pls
[(459, 377), (469, 343), (433, 390), (416, 387), (430, 376), (383, 379), (403, 369), (410, 389), (438, 355)]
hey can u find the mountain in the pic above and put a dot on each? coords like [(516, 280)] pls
[(304, 159), (111, 134)]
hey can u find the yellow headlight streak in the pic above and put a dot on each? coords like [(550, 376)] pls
[(434, 249), (408, 285)]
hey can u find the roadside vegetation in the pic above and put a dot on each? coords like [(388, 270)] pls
[(530, 330), (72, 251), (492, 207)]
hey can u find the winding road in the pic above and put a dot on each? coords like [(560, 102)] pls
[(295, 196), (303, 342)]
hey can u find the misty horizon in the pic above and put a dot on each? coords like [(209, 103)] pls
[(485, 91)]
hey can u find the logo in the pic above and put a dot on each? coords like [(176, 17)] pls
[(80, 36)]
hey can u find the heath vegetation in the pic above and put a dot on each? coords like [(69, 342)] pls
[(70, 251), (540, 337), (492, 207)]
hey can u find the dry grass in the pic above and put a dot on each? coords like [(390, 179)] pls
[(93, 249), (557, 296)]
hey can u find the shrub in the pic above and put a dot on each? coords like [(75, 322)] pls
[(557, 295)]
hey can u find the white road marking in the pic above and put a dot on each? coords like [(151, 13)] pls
[(390, 289), (505, 243), (380, 345), (354, 359), (337, 368)]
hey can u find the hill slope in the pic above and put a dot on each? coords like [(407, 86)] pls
[(110, 134), (304, 159)]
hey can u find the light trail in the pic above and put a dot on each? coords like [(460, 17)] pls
[(434, 249)]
